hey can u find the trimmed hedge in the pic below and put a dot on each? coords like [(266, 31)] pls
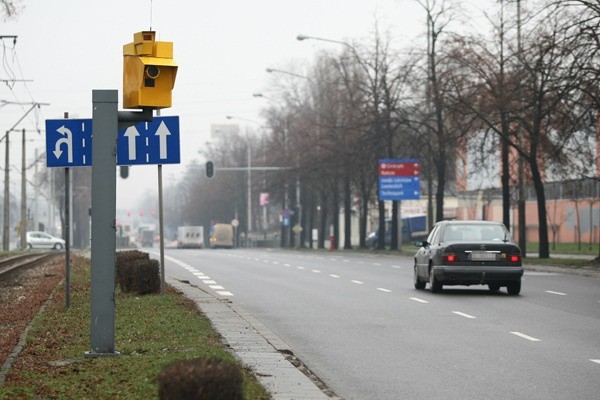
[(137, 273), (200, 379)]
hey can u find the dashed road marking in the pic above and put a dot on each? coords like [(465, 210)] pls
[(522, 335), (216, 287), (463, 314), (595, 361), (225, 293), (558, 293), (384, 290), (316, 271), (209, 282), (334, 276), (300, 268), (357, 282), (419, 300)]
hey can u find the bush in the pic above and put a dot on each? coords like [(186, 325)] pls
[(136, 272), (200, 379), (146, 276)]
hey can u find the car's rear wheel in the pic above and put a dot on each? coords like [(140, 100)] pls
[(419, 284), (514, 287), (493, 287), (57, 246), (434, 284)]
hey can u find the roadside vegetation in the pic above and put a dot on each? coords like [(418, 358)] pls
[(152, 332)]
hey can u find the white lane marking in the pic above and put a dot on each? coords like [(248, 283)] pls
[(216, 287), (526, 337), (300, 267), (463, 314), (377, 264), (176, 261), (204, 279), (384, 290), (334, 276), (316, 271), (357, 282), (275, 262), (419, 300), (558, 293), (287, 265), (396, 266), (595, 361)]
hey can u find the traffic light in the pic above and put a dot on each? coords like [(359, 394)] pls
[(148, 72), (210, 169), (124, 171)]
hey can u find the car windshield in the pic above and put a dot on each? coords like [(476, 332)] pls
[(474, 232)]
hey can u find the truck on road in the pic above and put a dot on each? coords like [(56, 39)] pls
[(191, 237), (221, 236)]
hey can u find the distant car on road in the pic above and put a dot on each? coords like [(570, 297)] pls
[(468, 253), (43, 240)]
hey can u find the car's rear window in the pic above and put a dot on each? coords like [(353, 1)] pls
[(474, 232)]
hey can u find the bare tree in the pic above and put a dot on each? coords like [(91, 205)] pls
[(9, 9)]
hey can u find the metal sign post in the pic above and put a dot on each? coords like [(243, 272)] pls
[(104, 189)]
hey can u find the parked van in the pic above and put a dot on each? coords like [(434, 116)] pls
[(191, 237), (221, 236), (414, 227)]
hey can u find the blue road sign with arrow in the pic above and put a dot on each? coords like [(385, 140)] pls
[(155, 142), (69, 142)]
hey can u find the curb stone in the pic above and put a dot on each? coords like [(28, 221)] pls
[(257, 347)]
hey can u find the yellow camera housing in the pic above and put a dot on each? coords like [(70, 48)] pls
[(148, 72)]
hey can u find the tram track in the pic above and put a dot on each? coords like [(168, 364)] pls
[(20, 262)]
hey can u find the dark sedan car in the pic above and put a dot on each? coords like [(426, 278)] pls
[(469, 253)]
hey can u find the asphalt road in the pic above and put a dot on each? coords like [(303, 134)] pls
[(358, 323)]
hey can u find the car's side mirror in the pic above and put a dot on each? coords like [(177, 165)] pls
[(421, 243)]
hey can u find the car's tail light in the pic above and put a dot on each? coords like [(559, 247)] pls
[(515, 258), (449, 257)]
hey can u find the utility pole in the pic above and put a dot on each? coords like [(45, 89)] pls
[(521, 202), (6, 222)]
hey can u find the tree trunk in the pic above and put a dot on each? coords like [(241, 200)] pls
[(394, 244), (347, 214), (538, 184)]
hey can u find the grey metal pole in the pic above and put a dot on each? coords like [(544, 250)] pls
[(67, 232), (23, 225), (161, 230), (104, 188), (5, 224)]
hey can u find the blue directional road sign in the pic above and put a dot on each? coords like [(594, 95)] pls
[(400, 188), (155, 142), (399, 179), (68, 142)]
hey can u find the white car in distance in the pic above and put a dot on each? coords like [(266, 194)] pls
[(43, 240)]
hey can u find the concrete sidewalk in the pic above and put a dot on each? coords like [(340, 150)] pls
[(256, 346)]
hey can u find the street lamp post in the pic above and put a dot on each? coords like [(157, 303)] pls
[(298, 197), (249, 182)]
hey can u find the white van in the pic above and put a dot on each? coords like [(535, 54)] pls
[(190, 237)]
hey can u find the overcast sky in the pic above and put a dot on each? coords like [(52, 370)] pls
[(222, 47)]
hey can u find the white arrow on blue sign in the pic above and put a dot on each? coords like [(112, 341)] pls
[(69, 142), (155, 142)]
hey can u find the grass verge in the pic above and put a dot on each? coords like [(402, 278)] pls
[(151, 332)]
